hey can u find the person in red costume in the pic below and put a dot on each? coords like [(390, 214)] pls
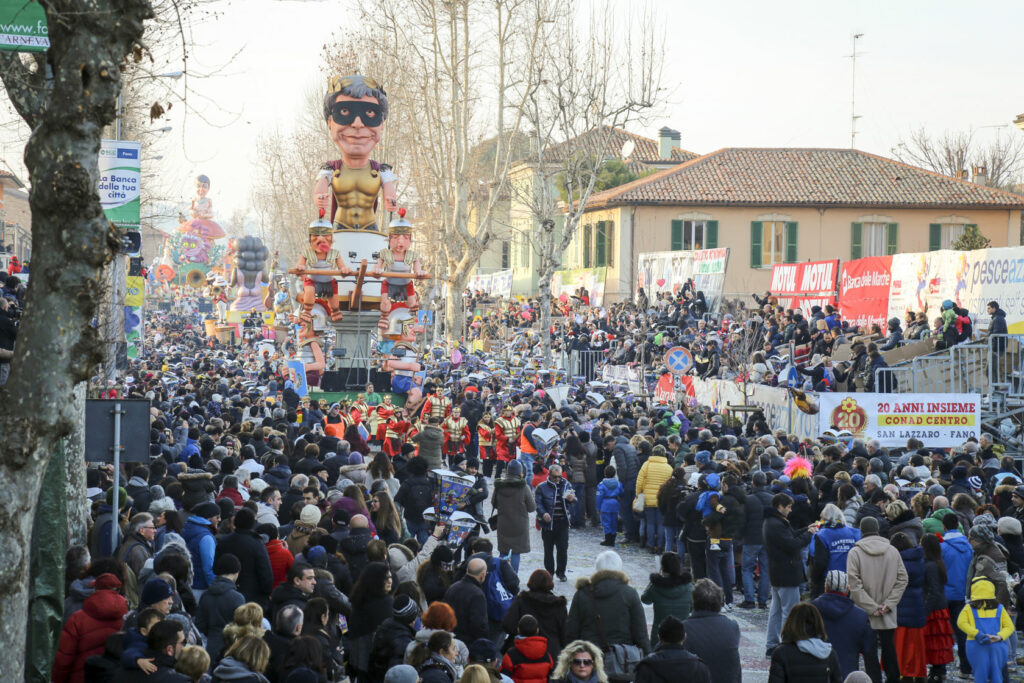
[(506, 434)]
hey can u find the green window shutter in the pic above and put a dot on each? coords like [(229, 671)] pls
[(856, 240), (587, 233), (599, 245), (892, 239), (677, 236), (790, 240), (755, 244), (934, 236), (609, 241), (711, 235)]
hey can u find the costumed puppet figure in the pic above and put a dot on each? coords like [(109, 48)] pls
[(398, 258), (320, 255), (355, 108), (403, 366), (310, 347), (247, 273), (282, 298)]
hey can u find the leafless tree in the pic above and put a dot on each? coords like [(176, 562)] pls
[(958, 152), (594, 81), (66, 95)]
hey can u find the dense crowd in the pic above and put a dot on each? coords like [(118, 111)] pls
[(277, 537)]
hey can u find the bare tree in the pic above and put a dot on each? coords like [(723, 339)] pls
[(595, 81), (66, 96), (959, 152)]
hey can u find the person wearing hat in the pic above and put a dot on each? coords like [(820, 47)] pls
[(305, 525), (256, 577), (605, 609), (513, 502), (847, 626), (86, 631), (218, 604), (989, 559), (987, 625), (392, 637), (199, 534)]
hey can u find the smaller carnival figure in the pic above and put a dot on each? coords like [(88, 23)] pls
[(456, 436), (402, 364), (247, 273), (320, 255), (200, 230), (311, 352), (216, 290), (398, 292)]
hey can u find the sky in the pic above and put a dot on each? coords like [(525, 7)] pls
[(737, 73)]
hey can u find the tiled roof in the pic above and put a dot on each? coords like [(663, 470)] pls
[(607, 141), (803, 177)]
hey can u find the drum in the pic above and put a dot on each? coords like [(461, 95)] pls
[(355, 246)]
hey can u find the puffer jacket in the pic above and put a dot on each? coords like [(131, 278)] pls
[(528, 660), (850, 634), (607, 595), (85, 634), (653, 473), (911, 611), (957, 555)]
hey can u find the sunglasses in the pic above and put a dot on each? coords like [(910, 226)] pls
[(583, 662), (345, 113)]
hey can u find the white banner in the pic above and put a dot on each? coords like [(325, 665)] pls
[(779, 410), (494, 284), (622, 374), (668, 271), (937, 420)]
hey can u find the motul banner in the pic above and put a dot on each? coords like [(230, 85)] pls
[(864, 290), (803, 285)]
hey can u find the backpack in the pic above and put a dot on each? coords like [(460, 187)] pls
[(499, 598)]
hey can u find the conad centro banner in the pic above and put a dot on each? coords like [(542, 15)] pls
[(803, 285), (937, 420), (864, 290)]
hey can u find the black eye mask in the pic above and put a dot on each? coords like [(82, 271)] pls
[(345, 113)]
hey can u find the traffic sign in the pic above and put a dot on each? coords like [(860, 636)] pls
[(678, 360)]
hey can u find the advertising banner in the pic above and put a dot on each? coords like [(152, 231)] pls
[(134, 298), (864, 290), (937, 420), (803, 285), (568, 281), (120, 174), (667, 272), (23, 26)]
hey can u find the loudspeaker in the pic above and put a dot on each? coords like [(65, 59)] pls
[(135, 266)]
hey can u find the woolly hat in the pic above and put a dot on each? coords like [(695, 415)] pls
[(403, 673), (245, 519), (122, 497), (983, 589), (442, 553), (869, 526), (226, 564), (835, 581), (515, 469), (703, 457), (975, 482), (404, 609), (1009, 526), (936, 490), (483, 651), (206, 510), (310, 515), (317, 556), (154, 591), (983, 534), (257, 485), (609, 560), (107, 582)]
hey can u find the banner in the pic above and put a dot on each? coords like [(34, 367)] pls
[(667, 272), (622, 374), (120, 173), (134, 298), (498, 284), (23, 26), (568, 281), (803, 285), (937, 420), (779, 409), (864, 290), (969, 278)]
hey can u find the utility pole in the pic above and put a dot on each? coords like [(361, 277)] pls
[(853, 91)]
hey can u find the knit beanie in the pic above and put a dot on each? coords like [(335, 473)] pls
[(404, 609)]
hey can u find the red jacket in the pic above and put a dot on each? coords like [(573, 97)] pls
[(85, 634), (528, 661), (233, 495), (281, 559)]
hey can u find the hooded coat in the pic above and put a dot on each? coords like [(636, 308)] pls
[(670, 595), (216, 610), (876, 577), (607, 610), (513, 502), (957, 554), (550, 611), (672, 663), (528, 660), (715, 638), (230, 669), (911, 611), (198, 487), (805, 661), (850, 634), (85, 634)]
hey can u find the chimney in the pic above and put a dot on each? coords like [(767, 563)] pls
[(667, 139), (981, 175)]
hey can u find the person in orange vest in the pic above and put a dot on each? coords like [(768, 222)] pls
[(527, 450), (456, 436), (506, 434), (336, 422)]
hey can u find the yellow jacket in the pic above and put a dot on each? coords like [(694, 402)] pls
[(653, 473), (966, 622)]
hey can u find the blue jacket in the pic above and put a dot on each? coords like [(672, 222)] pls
[(911, 612), (545, 496), (278, 476), (202, 546), (849, 632), (191, 448), (957, 554), (608, 492), (838, 541)]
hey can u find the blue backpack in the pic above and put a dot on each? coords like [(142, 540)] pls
[(499, 597)]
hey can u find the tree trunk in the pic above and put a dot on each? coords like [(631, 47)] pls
[(74, 454), (72, 241)]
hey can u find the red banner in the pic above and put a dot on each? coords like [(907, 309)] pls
[(864, 290), (803, 285)]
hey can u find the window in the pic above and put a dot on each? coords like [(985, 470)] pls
[(772, 242), (604, 244), (873, 239), (690, 235), (506, 255), (942, 235), (588, 231)]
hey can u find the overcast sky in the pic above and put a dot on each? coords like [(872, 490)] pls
[(740, 72)]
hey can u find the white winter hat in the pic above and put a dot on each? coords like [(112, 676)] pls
[(609, 560)]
